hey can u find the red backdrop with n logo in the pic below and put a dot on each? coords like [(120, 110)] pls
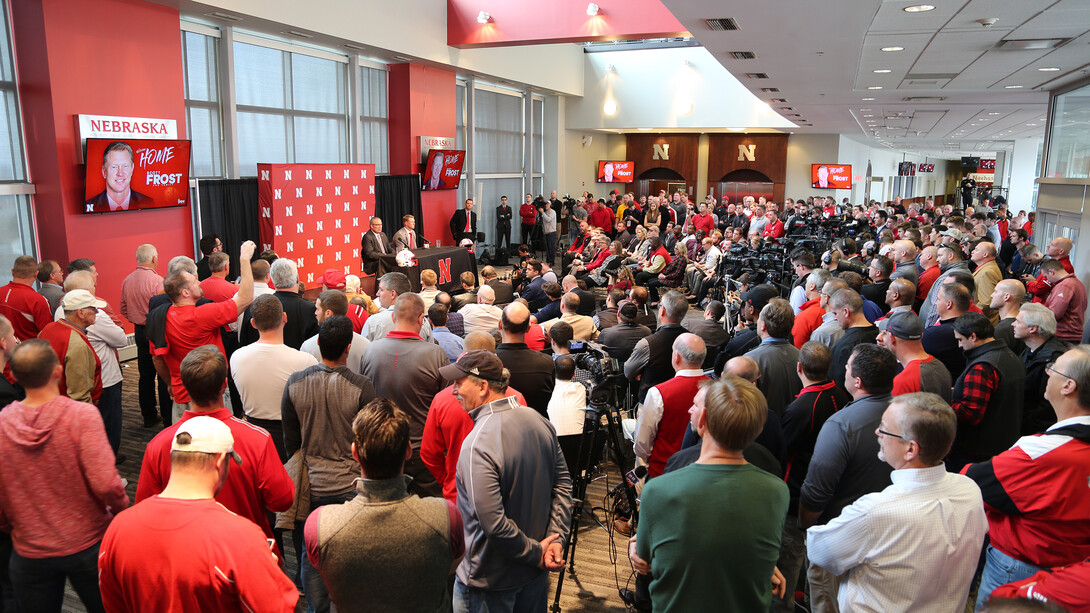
[(316, 214)]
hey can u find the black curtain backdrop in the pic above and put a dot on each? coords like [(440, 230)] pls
[(395, 196), (229, 208)]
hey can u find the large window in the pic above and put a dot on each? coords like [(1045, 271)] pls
[(1069, 135), (16, 217), (498, 131), (202, 103), (374, 147), (291, 107)]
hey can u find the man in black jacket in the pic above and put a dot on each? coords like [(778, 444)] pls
[(302, 320), (503, 225), (1035, 325), (532, 372), (463, 224)]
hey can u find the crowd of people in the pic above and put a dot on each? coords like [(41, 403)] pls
[(902, 427)]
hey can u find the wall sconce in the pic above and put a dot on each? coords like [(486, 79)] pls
[(609, 108), (483, 17), (593, 9)]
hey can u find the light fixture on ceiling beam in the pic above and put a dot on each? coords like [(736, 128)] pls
[(867, 99), (483, 17), (875, 87), (1049, 69), (1012, 87), (883, 71), (892, 49), (593, 9), (919, 8)]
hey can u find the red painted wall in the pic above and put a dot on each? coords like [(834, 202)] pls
[(422, 102), (104, 57), (532, 22)]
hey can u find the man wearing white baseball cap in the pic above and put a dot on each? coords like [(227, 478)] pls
[(81, 378), (183, 551)]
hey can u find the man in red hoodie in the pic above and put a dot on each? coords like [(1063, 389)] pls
[(1059, 249), (59, 488)]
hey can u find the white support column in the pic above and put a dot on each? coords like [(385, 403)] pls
[(1023, 172)]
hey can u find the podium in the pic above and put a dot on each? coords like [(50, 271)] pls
[(448, 263)]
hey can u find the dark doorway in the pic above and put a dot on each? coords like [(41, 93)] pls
[(745, 182)]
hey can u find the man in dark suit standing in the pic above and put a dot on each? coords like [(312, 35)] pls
[(464, 223), (375, 243), (503, 224)]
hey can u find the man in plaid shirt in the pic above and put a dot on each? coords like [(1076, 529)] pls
[(988, 395)]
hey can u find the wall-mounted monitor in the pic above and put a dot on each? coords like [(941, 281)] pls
[(926, 168), (831, 176), (443, 169), (135, 174), (613, 171), (906, 169), (970, 163)]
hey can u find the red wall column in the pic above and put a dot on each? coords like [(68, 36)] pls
[(102, 57), (422, 102)]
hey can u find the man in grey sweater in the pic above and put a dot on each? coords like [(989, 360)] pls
[(514, 493)]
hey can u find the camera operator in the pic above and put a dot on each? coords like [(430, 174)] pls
[(745, 329), (802, 262)]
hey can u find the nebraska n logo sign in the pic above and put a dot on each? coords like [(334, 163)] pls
[(444, 271), (660, 152)]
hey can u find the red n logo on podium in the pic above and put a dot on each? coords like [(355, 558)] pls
[(444, 271)]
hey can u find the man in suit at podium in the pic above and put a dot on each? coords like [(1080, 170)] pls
[(464, 223), (374, 244), (407, 237)]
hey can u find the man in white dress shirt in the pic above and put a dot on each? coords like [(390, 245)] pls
[(482, 316), (915, 545)]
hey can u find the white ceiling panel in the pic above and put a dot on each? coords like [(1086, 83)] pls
[(1066, 18)]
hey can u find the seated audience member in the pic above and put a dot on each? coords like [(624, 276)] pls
[(261, 369), (710, 327), (1035, 493), (503, 290), (448, 424), (467, 294), (1035, 325), (588, 302), (261, 484), (689, 520), (660, 426), (646, 315), (567, 407), (988, 395), (182, 550), (582, 325), (326, 305), (391, 286), (59, 488), (560, 341), (619, 340), (819, 399), (428, 288), (650, 361), (608, 316), (551, 310), (901, 333), (452, 345), (483, 316), (880, 543), (455, 323), (845, 463), (351, 543), (776, 356)]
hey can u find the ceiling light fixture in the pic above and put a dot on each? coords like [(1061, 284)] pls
[(875, 87), (882, 71), (483, 17), (1049, 69), (889, 49), (592, 9), (867, 99), (995, 113), (609, 108), (919, 8), (1012, 87)]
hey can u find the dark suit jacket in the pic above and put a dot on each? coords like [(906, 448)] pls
[(101, 202), (588, 302), (371, 251), (505, 294), (460, 300), (458, 226), (302, 324), (503, 217)]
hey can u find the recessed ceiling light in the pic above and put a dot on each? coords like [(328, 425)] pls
[(919, 8), (882, 71), (483, 17), (864, 110), (868, 99), (875, 87), (1049, 69), (1012, 87), (995, 113), (893, 48)]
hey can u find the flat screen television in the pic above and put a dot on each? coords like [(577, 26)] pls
[(970, 163), (443, 169), (927, 168), (831, 176), (613, 171), (906, 169), (135, 174)]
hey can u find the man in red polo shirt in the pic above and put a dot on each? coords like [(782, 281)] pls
[(189, 326), (259, 483), (26, 309), (216, 287)]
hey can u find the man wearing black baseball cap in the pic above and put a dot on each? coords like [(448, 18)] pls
[(745, 332), (496, 488), (901, 333)]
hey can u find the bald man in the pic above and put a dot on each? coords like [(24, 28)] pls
[(532, 372), (986, 276), (1059, 249), (904, 256), (1006, 299)]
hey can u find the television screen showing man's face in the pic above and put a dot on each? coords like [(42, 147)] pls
[(117, 170)]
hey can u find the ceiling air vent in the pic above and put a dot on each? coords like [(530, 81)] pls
[(722, 25), (757, 75), (1030, 44), (224, 16), (932, 76), (743, 55), (924, 98), (770, 90), (780, 100)]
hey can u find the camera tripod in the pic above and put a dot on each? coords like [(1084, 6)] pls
[(603, 399)]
